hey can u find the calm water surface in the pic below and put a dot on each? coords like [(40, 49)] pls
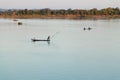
[(72, 54)]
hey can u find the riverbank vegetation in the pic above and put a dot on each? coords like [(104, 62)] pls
[(106, 13)]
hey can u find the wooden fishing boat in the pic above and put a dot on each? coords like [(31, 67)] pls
[(48, 39), (38, 40)]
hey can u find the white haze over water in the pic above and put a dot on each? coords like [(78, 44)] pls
[(58, 4)]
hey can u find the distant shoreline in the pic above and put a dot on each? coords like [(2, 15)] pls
[(95, 17), (106, 13)]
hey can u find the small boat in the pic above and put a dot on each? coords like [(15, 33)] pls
[(19, 23), (48, 39), (38, 40), (15, 20)]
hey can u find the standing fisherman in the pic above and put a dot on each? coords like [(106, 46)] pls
[(48, 38)]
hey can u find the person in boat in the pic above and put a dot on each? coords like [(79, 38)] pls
[(89, 28), (84, 28), (48, 38)]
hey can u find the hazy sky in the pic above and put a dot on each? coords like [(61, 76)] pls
[(58, 4)]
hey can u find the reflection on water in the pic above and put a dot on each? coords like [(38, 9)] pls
[(72, 54), (41, 42)]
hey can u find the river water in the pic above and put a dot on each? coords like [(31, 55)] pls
[(72, 54)]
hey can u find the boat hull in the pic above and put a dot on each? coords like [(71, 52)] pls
[(38, 40)]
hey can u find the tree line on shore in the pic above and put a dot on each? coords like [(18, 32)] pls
[(47, 12)]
